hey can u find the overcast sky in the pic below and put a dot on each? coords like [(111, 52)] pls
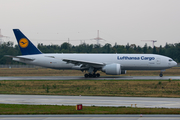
[(121, 21)]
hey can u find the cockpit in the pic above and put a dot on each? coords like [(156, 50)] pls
[(170, 60)]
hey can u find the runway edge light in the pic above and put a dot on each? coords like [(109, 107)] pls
[(79, 107)]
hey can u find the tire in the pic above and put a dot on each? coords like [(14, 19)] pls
[(94, 75), (90, 75), (160, 75), (86, 75), (97, 75)]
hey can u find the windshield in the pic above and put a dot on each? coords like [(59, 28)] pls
[(170, 60)]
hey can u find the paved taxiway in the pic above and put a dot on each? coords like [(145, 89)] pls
[(100, 78), (91, 101), (89, 117)]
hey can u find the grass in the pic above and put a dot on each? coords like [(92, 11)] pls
[(51, 72), (166, 88), (56, 109)]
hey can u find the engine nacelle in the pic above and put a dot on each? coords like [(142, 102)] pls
[(112, 69)]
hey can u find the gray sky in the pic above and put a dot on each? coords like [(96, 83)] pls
[(121, 21)]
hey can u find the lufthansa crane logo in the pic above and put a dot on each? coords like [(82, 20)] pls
[(23, 43)]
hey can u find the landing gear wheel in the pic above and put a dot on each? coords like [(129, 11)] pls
[(97, 75), (160, 75), (94, 75), (90, 75), (86, 75)]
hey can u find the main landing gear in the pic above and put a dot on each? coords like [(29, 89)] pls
[(91, 75)]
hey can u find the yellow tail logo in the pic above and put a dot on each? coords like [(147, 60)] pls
[(23, 43)]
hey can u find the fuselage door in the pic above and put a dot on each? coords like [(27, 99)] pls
[(158, 61)]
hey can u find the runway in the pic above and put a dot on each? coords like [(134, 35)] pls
[(82, 78), (89, 117), (145, 102)]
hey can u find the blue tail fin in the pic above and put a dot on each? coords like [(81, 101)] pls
[(25, 45)]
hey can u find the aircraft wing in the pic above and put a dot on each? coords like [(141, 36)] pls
[(84, 63), (22, 58)]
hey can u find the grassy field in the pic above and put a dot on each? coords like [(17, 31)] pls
[(51, 72), (146, 88), (55, 109), (86, 87)]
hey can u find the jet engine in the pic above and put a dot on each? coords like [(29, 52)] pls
[(112, 69)]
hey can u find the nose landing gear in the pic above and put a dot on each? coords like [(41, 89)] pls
[(161, 73)]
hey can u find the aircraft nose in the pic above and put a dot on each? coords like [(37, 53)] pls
[(174, 63)]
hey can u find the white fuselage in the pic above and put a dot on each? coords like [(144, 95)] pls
[(127, 61)]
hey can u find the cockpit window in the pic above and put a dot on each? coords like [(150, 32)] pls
[(170, 60)]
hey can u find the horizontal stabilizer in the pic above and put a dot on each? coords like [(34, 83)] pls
[(22, 58)]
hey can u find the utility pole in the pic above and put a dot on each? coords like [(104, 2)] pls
[(2, 36), (68, 46), (97, 38), (153, 41)]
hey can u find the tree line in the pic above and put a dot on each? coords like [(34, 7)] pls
[(170, 50)]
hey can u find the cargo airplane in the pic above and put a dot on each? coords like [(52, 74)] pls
[(111, 64)]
